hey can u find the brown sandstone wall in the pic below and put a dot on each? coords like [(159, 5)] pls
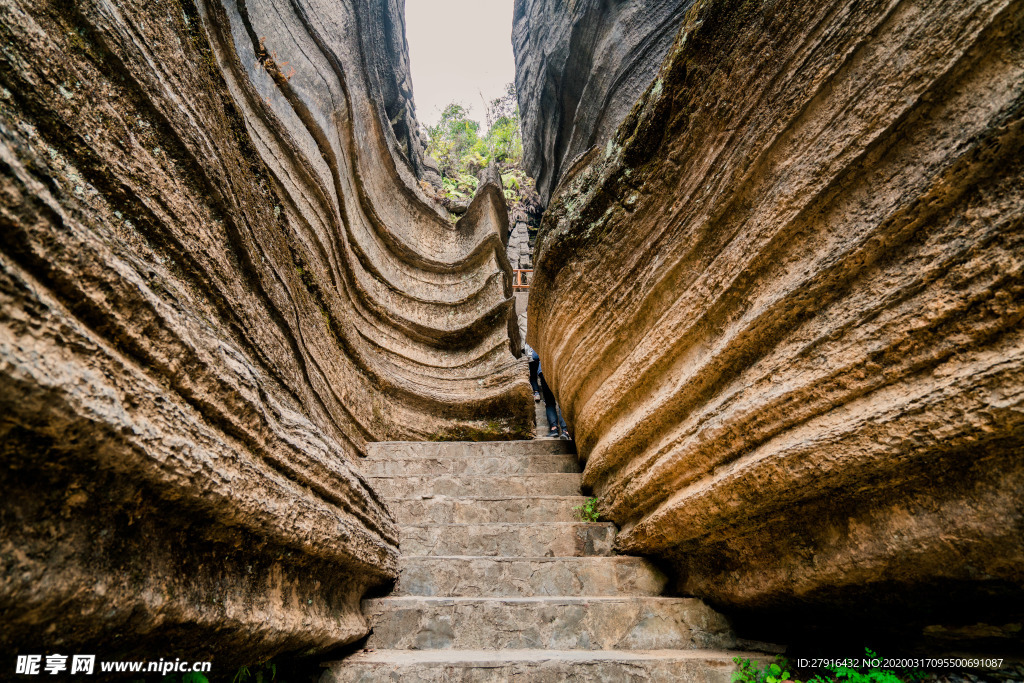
[(782, 307), (220, 279)]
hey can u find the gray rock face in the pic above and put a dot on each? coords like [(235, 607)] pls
[(580, 66), (387, 67), (519, 251), (781, 310), (219, 279)]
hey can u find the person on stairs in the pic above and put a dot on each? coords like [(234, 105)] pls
[(534, 367), (556, 425)]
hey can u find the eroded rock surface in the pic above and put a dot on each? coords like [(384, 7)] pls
[(580, 66), (219, 280), (782, 309)]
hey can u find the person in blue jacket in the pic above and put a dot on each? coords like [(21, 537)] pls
[(534, 367), (556, 425)]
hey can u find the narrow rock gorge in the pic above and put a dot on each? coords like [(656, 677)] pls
[(778, 290), (781, 303), (221, 278)]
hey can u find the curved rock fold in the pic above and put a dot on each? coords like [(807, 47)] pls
[(220, 279)]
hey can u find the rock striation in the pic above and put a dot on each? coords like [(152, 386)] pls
[(781, 309), (580, 66), (219, 279)]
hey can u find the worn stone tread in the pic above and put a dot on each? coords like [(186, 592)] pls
[(483, 510), (474, 576), (556, 622), (705, 666), (471, 486), (537, 655), (546, 599), (387, 450), (550, 539), (466, 465)]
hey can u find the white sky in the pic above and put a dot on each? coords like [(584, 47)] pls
[(457, 49)]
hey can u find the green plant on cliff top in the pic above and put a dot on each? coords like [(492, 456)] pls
[(453, 141), (461, 150)]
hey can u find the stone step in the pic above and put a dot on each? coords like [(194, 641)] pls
[(556, 623), (537, 666), (542, 539), (477, 465), (526, 577), (384, 450), (445, 510), (540, 420), (472, 486)]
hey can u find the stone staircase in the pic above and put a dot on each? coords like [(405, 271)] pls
[(500, 581)]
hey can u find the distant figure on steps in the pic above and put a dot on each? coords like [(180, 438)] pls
[(556, 425), (534, 368)]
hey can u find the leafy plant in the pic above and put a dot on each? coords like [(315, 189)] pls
[(190, 677), (466, 183), (588, 512), (260, 673), (751, 672), (779, 671), (505, 141)]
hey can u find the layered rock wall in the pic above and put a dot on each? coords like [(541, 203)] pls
[(580, 66), (781, 309), (219, 280)]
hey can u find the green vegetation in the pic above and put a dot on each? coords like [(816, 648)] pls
[(456, 146), (588, 512), (258, 673), (191, 677), (779, 672), (462, 151)]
